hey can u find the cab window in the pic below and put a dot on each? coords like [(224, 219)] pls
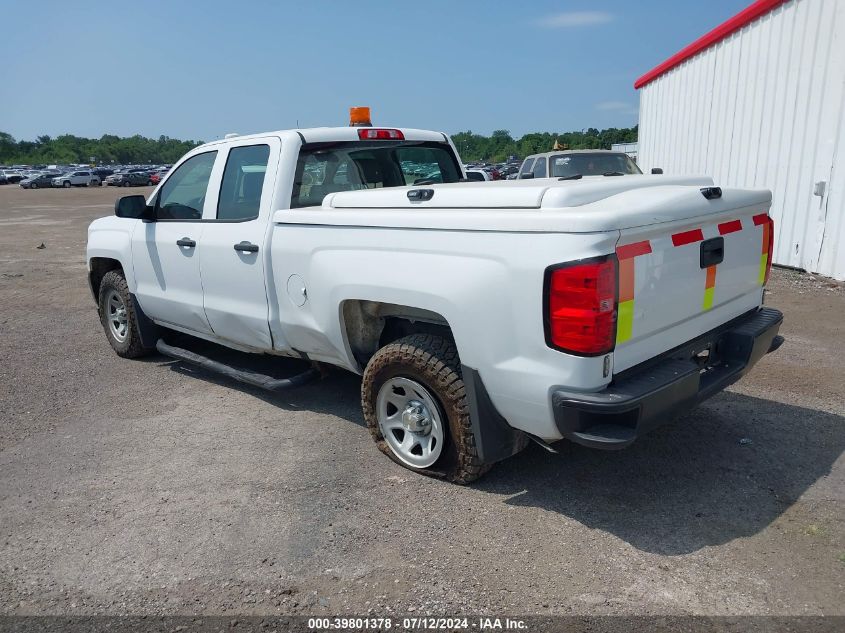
[(420, 165), (324, 168), (593, 164), (540, 167), (243, 181), (183, 194), (526, 166)]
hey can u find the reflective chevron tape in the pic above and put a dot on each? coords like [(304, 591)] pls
[(730, 227), (709, 288), (687, 237), (625, 312), (763, 220)]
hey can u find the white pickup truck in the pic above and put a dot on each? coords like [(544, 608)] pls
[(481, 315)]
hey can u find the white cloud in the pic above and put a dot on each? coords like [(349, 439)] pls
[(613, 106), (572, 19)]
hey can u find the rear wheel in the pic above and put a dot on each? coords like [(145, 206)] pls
[(118, 318), (416, 409), (149, 183)]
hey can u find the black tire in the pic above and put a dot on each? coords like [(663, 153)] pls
[(149, 183), (131, 346), (433, 362), (125, 183), (33, 185), (66, 184)]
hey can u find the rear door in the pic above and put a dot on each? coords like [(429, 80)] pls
[(681, 279), (234, 245)]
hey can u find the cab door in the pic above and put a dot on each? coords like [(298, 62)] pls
[(233, 248), (165, 252)]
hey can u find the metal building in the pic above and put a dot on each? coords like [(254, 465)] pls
[(759, 101)]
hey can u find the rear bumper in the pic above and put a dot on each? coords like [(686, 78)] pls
[(651, 394)]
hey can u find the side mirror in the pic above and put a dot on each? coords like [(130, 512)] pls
[(528, 175), (133, 207), (656, 170)]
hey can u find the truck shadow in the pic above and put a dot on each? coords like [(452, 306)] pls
[(727, 470), (338, 393)]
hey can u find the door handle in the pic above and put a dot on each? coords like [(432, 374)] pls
[(186, 241), (246, 247)]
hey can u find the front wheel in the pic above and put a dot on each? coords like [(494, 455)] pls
[(118, 318), (125, 183), (66, 184), (416, 409), (33, 185)]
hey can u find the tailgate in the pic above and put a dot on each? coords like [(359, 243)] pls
[(680, 279)]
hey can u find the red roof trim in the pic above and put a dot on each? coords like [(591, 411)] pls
[(746, 16)]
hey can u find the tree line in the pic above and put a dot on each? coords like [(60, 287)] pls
[(67, 148), (499, 145), (137, 149)]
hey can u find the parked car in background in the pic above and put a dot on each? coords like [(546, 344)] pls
[(102, 172), (131, 178), (78, 178), (12, 176), (509, 170), (156, 177), (39, 181), (478, 175), (578, 163), (3, 179)]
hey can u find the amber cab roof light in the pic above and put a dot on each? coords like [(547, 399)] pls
[(359, 116)]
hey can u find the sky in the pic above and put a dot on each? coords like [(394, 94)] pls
[(200, 69)]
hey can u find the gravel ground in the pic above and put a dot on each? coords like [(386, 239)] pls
[(143, 487)]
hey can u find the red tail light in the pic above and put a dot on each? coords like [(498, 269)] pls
[(373, 134), (771, 248), (581, 307)]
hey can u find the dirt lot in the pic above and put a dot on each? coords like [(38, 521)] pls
[(147, 487)]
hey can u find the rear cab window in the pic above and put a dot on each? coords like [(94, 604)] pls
[(539, 169), (324, 168)]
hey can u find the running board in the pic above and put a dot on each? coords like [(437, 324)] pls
[(542, 442), (241, 375)]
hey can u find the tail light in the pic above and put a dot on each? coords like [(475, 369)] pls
[(374, 134), (581, 306)]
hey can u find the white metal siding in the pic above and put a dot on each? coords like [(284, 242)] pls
[(764, 108)]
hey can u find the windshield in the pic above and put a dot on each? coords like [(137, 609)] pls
[(588, 164), (324, 168)]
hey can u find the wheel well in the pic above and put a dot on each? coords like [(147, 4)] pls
[(370, 325), (99, 267)]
